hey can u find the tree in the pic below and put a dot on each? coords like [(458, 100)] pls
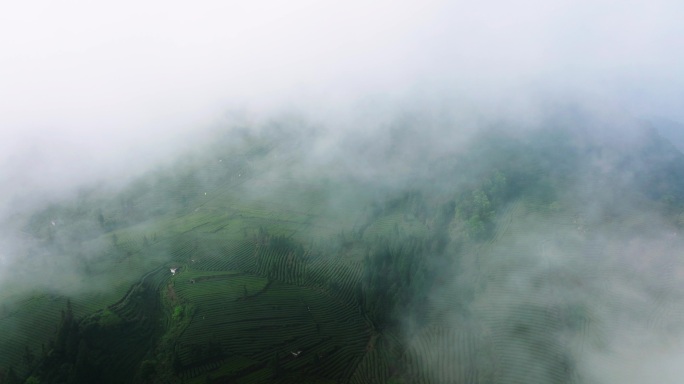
[(148, 369), (177, 313), (101, 220), (29, 358), (11, 376)]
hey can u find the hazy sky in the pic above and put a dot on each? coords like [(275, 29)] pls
[(86, 84)]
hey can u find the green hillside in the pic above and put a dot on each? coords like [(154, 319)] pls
[(252, 263)]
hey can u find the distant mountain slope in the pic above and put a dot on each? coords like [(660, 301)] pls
[(671, 130)]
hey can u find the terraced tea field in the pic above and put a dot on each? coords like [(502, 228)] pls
[(248, 318), (263, 265)]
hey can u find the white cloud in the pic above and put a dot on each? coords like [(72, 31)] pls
[(104, 82)]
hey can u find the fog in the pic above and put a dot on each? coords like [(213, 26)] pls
[(97, 81), (96, 95)]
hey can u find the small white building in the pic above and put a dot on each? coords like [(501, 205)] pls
[(174, 270)]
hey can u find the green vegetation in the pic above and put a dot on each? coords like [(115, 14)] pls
[(218, 271), (109, 319)]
